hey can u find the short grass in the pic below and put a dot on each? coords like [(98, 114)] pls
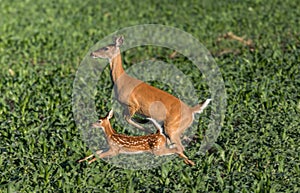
[(43, 42)]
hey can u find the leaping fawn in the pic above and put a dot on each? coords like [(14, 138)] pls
[(138, 97), (119, 143)]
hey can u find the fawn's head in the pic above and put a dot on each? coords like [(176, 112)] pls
[(104, 122), (110, 51)]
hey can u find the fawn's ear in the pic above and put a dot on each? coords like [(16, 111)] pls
[(110, 114), (119, 41)]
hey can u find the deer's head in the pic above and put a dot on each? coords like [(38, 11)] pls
[(110, 51), (104, 122)]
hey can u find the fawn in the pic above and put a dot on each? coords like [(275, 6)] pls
[(138, 97), (119, 143)]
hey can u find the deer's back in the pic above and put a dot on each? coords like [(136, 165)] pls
[(137, 143), (156, 103)]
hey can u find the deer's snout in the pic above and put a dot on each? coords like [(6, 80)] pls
[(95, 125), (92, 54)]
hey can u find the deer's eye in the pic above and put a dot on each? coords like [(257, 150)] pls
[(105, 48)]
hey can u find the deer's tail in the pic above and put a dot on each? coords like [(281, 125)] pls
[(200, 107)]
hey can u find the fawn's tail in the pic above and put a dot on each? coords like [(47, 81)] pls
[(200, 107)]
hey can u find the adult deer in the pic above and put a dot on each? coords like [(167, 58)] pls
[(138, 97), (119, 143)]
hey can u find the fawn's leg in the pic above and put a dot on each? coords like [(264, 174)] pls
[(161, 129), (90, 156), (86, 158), (109, 153), (165, 151)]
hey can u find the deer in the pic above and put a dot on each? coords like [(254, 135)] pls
[(124, 144), (139, 97)]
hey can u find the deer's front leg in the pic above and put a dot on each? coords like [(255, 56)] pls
[(90, 156), (109, 153), (86, 158), (128, 113)]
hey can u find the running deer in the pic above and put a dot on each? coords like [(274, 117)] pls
[(138, 97), (119, 143)]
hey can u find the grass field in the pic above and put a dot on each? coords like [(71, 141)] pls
[(43, 42)]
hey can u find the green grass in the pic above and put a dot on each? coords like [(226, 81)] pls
[(43, 43)]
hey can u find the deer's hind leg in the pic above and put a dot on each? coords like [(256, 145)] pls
[(170, 151)]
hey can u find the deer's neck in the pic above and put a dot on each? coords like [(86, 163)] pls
[(116, 67), (109, 130)]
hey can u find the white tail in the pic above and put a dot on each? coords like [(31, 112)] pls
[(139, 97), (118, 143)]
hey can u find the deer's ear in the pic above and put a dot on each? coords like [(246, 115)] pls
[(110, 114), (119, 41)]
